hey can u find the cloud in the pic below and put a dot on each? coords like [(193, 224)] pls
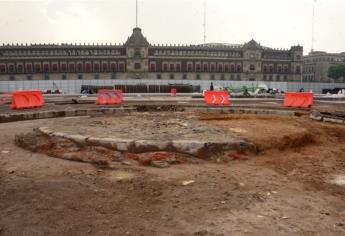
[(275, 23)]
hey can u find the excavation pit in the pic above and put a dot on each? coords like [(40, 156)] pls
[(156, 139), (166, 138)]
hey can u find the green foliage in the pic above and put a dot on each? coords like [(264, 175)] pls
[(336, 72)]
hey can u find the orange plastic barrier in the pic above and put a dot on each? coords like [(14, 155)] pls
[(109, 97), (298, 99), (216, 97), (173, 92), (27, 99)]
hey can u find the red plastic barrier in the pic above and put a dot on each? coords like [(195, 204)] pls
[(109, 97), (216, 97), (27, 99), (292, 99), (173, 92)]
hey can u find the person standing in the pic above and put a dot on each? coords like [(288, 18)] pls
[(211, 87)]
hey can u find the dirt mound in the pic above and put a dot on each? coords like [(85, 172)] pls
[(301, 149), (265, 131)]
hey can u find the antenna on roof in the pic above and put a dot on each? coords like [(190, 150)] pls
[(204, 21), (313, 27)]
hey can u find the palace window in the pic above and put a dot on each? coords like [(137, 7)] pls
[(96, 67), (2, 68), (178, 67), (184, 76), (220, 68), (104, 67), (37, 68), (28, 68), (252, 67), (286, 69), (64, 76), (232, 68), (55, 67), (80, 76), (64, 67), (20, 68), (205, 68), (153, 68), (197, 67), (239, 68), (80, 67), (88, 67), (172, 67), (298, 69), (213, 68), (11, 68), (71, 68), (172, 76), (121, 67), (271, 69), (137, 52), (189, 67), (279, 69), (46, 68), (226, 68), (137, 66), (165, 67), (265, 69), (159, 76), (198, 76), (113, 67)]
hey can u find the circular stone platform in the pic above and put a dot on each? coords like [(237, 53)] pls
[(131, 135)]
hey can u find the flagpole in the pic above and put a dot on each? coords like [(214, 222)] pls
[(136, 13), (313, 27)]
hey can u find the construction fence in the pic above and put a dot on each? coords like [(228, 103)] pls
[(137, 86)]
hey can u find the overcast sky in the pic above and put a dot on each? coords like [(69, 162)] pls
[(273, 23)]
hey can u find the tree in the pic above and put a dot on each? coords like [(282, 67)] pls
[(336, 72)]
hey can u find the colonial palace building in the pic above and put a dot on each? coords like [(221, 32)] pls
[(138, 59)]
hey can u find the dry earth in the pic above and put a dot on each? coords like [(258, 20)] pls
[(294, 186)]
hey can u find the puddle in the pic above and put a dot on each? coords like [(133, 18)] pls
[(121, 176), (338, 180), (238, 130)]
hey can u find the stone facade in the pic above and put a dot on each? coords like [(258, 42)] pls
[(138, 59), (316, 64)]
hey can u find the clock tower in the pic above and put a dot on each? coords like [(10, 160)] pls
[(137, 49)]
